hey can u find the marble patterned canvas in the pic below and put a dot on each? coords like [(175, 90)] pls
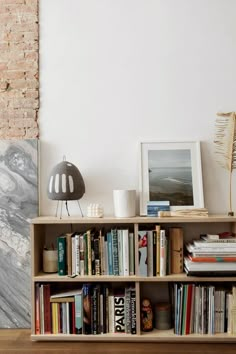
[(18, 204)]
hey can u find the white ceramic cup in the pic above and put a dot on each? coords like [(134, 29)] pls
[(50, 264), (124, 203)]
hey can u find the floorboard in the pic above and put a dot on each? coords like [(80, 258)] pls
[(19, 342)]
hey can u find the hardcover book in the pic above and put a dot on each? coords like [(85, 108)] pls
[(176, 246), (119, 312), (61, 247), (142, 249)]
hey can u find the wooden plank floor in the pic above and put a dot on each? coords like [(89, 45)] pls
[(19, 342)]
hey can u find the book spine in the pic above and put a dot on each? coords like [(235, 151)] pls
[(162, 253), (125, 251), (73, 330), (176, 241), (85, 254), (154, 252), (47, 310), (115, 259), (128, 310), (79, 313), (119, 313), (41, 292), (158, 230), (61, 247), (101, 312), (133, 311), (37, 309), (87, 309), (150, 254), (94, 302), (131, 254), (69, 253), (77, 254), (81, 255), (120, 252), (111, 313), (73, 255), (142, 244), (89, 253), (102, 255), (97, 255), (92, 254), (110, 257)]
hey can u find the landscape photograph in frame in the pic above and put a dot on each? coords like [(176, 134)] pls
[(171, 171)]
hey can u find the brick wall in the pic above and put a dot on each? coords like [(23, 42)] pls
[(19, 69)]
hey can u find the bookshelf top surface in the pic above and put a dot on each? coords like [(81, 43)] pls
[(133, 220)]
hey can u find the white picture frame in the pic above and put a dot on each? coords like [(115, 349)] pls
[(171, 171)]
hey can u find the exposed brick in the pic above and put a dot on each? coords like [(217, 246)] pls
[(13, 74), (31, 133), (19, 85), (25, 122)]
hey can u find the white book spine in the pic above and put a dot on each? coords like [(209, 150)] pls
[(73, 254), (77, 255), (67, 318), (162, 253), (111, 313), (125, 234), (131, 253)]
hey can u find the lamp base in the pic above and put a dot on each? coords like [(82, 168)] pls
[(59, 208)]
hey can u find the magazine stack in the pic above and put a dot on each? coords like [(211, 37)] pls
[(212, 255)]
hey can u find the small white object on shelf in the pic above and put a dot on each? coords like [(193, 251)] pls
[(95, 211)]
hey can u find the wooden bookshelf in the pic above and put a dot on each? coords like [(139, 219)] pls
[(49, 228)]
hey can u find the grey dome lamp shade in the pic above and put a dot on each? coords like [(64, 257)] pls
[(65, 183)]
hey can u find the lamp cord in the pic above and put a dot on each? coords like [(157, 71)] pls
[(67, 208)]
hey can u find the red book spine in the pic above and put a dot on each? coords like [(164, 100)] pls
[(212, 259), (189, 308), (47, 312)]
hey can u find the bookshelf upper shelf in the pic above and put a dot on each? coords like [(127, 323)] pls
[(134, 220)]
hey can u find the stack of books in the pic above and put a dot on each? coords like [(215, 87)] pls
[(211, 256)]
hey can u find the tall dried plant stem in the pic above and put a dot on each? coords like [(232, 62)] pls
[(226, 146), (230, 213)]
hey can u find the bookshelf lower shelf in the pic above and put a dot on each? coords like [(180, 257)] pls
[(154, 336)]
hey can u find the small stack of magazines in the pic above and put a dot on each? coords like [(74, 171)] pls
[(212, 255)]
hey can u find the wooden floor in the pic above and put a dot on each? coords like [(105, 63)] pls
[(19, 342)]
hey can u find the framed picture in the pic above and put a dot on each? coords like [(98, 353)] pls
[(171, 171)]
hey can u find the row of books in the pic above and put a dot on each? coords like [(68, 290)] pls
[(91, 309), (204, 309), (160, 251), (95, 253), (211, 256)]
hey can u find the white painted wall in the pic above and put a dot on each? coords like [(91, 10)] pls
[(117, 72)]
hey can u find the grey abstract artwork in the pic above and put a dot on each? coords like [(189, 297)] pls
[(18, 204)]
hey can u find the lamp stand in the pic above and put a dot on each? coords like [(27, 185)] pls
[(58, 213)]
